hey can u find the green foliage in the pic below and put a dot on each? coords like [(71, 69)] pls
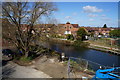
[(105, 26), (78, 38), (55, 53), (81, 33), (70, 37), (100, 34), (57, 36), (115, 33), (92, 34), (25, 59), (81, 44)]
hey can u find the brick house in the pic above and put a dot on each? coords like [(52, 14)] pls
[(60, 29), (98, 31), (68, 28)]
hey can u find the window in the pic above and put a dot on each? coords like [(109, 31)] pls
[(67, 32), (70, 27), (65, 27)]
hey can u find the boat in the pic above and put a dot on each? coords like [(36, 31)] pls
[(107, 74)]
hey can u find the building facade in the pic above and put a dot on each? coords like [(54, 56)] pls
[(68, 28), (98, 31)]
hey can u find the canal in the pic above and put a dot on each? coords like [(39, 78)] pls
[(99, 57)]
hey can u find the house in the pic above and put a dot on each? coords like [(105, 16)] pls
[(98, 31), (68, 28)]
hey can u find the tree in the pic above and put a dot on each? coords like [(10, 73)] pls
[(115, 33), (18, 13), (81, 33), (70, 37), (105, 26)]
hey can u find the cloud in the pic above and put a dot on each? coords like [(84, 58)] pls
[(106, 19), (40, 9), (27, 16), (92, 15), (74, 13), (67, 17), (91, 9), (91, 19)]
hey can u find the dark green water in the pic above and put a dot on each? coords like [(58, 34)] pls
[(85, 53)]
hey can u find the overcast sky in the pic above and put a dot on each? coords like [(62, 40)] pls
[(88, 13)]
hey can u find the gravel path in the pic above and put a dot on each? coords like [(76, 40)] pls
[(12, 70)]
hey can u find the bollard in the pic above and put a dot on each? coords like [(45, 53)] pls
[(63, 56)]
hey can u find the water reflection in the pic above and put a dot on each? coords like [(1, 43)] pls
[(85, 53)]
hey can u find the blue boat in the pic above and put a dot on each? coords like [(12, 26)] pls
[(107, 74)]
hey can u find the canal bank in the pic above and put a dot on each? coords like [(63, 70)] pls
[(105, 49), (97, 56), (91, 46)]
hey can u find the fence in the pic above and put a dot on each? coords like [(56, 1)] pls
[(77, 68)]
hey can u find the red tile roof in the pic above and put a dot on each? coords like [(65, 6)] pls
[(97, 29), (75, 25)]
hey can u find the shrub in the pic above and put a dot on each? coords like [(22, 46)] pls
[(25, 59), (81, 44), (81, 33), (70, 37), (115, 33)]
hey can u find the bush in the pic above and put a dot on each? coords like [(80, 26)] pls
[(26, 59), (70, 37), (81, 44), (81, 33), (115, 33)]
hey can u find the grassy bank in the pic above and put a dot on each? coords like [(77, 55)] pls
[(70, 42), (106, 42), (99, 45)]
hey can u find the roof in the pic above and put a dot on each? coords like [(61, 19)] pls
[(43, 25), (61, 24), (75, 25), (97, 29)]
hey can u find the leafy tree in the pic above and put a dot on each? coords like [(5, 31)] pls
[(18, 13), (105, 26), (115, 33), (92, 34), (70, 37), (81, 33)]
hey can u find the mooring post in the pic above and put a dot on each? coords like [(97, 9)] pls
[(63, 57)]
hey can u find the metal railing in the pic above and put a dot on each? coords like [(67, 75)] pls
[(78, 67)]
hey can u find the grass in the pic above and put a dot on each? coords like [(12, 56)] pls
[(103, 42), (26, 59), (23, 61)]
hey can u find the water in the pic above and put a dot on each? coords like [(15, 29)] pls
[(85, 53)]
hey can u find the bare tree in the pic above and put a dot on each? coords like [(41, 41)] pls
[(23, 16)]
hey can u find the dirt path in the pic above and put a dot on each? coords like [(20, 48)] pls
[(42, 68), (52, 67), (12, 70), (56, 69)]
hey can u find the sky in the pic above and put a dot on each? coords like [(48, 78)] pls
[(94, 14)]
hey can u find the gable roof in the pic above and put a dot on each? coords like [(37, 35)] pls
[(75, 25)]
